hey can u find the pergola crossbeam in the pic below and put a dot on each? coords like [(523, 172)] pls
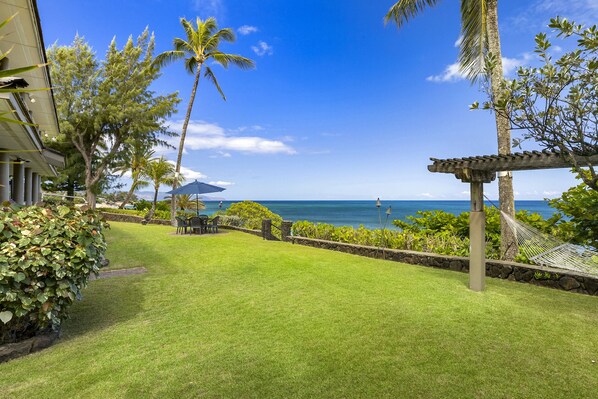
[(528, 160)]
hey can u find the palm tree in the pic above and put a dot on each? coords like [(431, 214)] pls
[(187, 201), (199, 46), (159, 171), (135, 160), (479, 38)]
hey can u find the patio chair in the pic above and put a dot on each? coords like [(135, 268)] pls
[(213, 225), (181, 225), (204, 223), (196, 225)]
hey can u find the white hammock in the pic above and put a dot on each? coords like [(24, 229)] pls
[(544, 250)]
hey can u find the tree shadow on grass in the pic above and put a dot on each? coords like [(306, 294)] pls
[(105, 303), (110, 301)]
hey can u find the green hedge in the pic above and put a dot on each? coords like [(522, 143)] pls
[(46, 257), (444, 244), (436, 231), (162, 215)]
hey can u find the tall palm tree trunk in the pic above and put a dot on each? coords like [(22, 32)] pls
[(508, 244), (129, 195), (182, 143), (150, 214)]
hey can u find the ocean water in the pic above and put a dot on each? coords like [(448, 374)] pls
[(355, 213)]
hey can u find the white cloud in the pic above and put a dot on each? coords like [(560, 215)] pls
[(262, 49), (189, 174), (509, 65), (426, 195), (221, 183), (208, 136), (247, 29), (221, 154), (551, 194), (452, 72), (208, 7), (536, 15)]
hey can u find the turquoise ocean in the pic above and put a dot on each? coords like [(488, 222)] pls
[(355, 213)]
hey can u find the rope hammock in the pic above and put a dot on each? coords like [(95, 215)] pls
[(545, 250)]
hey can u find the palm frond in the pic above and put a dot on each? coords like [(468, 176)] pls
[(3, 23), (11, 120), (5, 90), (167, 57), (5, 73), (189, 29), (191, 65), (235, 59), (183, 46), (404, 10), (208, 74), (474, 45), (226, 34)]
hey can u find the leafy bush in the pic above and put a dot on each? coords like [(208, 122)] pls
[(437, 232), (443, 243), (580, 204), (133, 212), (234, 221), (252, 214), (145, 205), (163, 215), (46, 257)]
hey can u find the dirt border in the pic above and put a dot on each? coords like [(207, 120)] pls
[(118, 273)]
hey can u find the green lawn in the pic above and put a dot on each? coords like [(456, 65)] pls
[(231, 315)]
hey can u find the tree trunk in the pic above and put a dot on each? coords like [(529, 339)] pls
[(182, 145), (70, 190), (91, 198), (129, 195), (150, 215), (508, 244)]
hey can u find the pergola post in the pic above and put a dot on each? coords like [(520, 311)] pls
[(477, 224), (477, 239)]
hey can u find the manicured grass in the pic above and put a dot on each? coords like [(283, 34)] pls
[(230, 315)]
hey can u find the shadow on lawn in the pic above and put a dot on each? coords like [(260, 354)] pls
[(110, 301)]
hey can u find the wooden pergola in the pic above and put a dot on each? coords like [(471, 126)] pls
[(478, 170)]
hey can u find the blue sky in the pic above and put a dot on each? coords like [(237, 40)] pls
[(339, 106)]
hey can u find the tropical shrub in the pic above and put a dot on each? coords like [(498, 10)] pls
[(159, 214), (133, 212), (46, 257), (580, 205), (252, 214), (145, 205), (227, 220), (436, 231), (445, 244)]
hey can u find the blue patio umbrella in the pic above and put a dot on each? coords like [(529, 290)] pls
[(196, 188)]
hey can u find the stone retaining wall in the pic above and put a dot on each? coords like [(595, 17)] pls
[(121, 217), (249, 231), (23, 348), (531, 274)]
